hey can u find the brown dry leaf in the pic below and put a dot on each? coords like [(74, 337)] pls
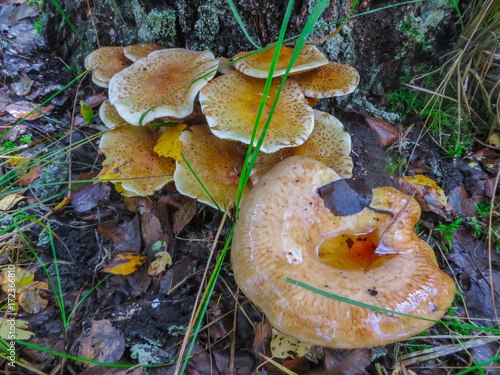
[(139, 205), (31, 300), (387, 133), (102, 344), (125, 236), (88, 196), (283, 345), (124, 263), (184, 215), (10, 201), (160, 264), (352, 362), (169, 144), (262, 335), (428, 194), (22, 109)]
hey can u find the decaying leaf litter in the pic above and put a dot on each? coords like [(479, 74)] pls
[(147, 311)]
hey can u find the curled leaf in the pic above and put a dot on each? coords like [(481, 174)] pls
[(124, 263)]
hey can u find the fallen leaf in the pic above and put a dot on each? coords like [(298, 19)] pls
[(352, 362), (88, 195), (31, 300), (86, 111), (402, 370), (10, 201), (160, 264), (17, 279), (169, 144), (278, 365), (63, 203), (494, 140), (103, 343), (15, 160), (124, 263), (283, 345), (387, 133), (346, 197), (95, 100), (184, 215), (125, 236), (110, 173), (21, 331), (23, 109), (23, 86), (426, 191), (263, 334)]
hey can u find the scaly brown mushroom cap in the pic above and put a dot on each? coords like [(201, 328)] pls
[(328, 143), (285, 230), (231, 103), (329, 80), (215, 162), (138, 51), (258, 65), (153, 80), (113, 61), (109, 116), (131, 148)]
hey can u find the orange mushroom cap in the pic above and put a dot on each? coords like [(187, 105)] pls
[(259, 64), (130, 150), (109, 60), (285, 230), (328, 143), (152, 81), (231, 103), (329, 80), (138, 51), (215, 162)]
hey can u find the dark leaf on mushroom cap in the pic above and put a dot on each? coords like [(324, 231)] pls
[(105, 62), (163, 84), (258, 65), (346, 197)]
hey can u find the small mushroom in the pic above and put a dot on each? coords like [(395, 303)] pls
[(285, 230), (105, 62), (215, 162), (329, 80), (151, 83), (328, 143), (259, 64), (138, 51), (129, 149), (231, 103)]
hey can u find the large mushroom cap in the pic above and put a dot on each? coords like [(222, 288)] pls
[(285, 230), (215, 162), (231, 103), (130, 148), (138, 51), (109, 60), (328, 143), (152, 81), (329, 80), (258, 65), (109, 116)]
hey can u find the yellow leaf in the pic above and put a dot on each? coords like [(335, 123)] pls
[(494, 140), (9, 201), (31, 300), (15, 160), (63, 203), (19, 331), (426, 185), (169, 144), (162, 261), (15, 280), (110, 173), (125, 263), (282, 345)]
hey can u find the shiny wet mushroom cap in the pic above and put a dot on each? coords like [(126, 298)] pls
[(138, 51), (329, 80), (163, 84), (258, 65), (285, 230), (129, 151), (105, 62), (215, 162), (231, 103)]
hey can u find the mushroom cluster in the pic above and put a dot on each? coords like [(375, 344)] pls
[(149, 84)]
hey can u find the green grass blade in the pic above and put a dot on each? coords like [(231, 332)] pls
[(69, 23), (479, 365), (85, 296), (206, 296), (382, 310), (201, 183), (61, 298), (240, 22)]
